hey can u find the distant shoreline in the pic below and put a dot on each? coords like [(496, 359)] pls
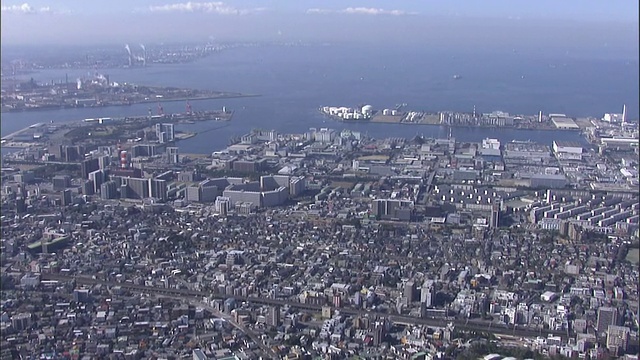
[(163, 100)]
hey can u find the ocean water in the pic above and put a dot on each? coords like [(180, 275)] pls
[(294, 81)]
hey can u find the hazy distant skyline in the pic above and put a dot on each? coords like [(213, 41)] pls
[(610, 24)]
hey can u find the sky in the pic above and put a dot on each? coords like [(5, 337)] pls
[(613, 24)]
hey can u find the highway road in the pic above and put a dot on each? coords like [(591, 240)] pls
[(468, 325)]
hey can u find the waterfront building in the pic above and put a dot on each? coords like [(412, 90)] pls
[(165, 133)]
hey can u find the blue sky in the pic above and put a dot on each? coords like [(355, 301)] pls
[(60, 21), (598, 10)]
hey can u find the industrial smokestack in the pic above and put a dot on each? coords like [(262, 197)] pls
[(540, 116), (124, 160), (624, 114), (144, 55), (126, 46)]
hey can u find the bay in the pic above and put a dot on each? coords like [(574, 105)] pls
[(294, 81)]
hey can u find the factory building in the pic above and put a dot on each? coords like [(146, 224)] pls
[(620, 143), (565, 150), (548, 181), (562, 122)]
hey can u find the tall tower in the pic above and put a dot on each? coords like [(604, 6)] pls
[(624, 115), (495, 216)]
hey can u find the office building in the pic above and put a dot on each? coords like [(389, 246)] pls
[(408, 291), (66, 197), (158, 189), (188, 176), (104, 161), (222, 205), (21, 321), (617, 339), (136, 188), (606, 316), (199, 355), (61, 182), (21, 205), (88, 166), (205, 191), (98, 177), (24, 177), (109, 190), (495, 216), (87, 188), (388, 209), (143, 150), (273, 316), (427, 293), (172, 155)]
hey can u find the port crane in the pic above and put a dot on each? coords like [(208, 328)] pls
[(189, 110), (160, 109)]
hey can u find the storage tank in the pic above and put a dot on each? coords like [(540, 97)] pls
[(367, 110)]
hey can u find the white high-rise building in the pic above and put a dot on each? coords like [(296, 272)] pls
[(168, 130), (427, 293)]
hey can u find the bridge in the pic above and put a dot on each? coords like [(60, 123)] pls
[(38, 162), (467, 325)]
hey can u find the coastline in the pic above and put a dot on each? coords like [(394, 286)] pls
[(453, 125), (161, 100), (372, 120)]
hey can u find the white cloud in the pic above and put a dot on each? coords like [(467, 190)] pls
[(24, 9), (319, 11), (359, 10), (215, 7)]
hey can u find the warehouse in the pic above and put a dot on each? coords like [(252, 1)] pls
[(567, 150)]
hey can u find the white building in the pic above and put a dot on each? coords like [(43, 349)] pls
[(612, 118), (567, 150), (490, 144)]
